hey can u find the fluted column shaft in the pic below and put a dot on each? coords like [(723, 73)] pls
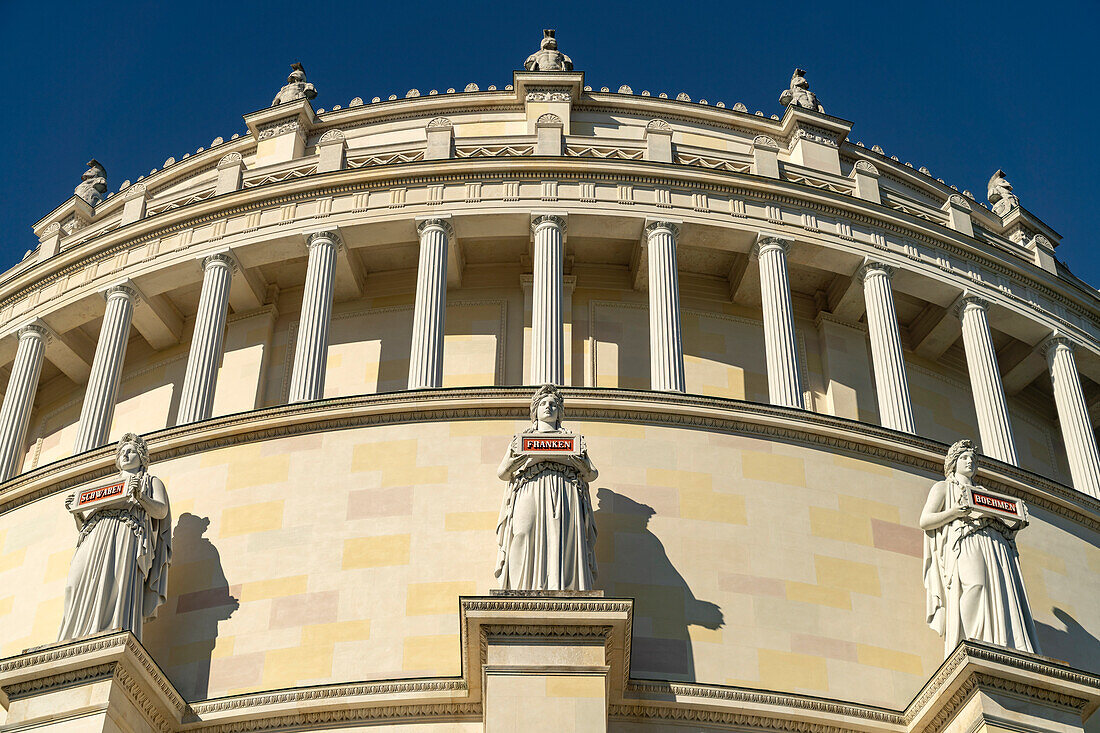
[(1073, 416), (22, 385), (110, 353), (547, 297), (894, 405), (200, 379), (307, 380), (990, 405), (429, 313), (784, 384), (666, 348)]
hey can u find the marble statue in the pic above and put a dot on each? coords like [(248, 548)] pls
[(1000, 194), (296, 87), (546, 532), (971, 567), (93, 184), (548, 57), (119, 574), (799, 94)]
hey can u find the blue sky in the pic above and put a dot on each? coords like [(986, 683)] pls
[(962, 88)]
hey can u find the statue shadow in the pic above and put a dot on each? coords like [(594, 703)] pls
[(1072, 644), (633, 563), (182, 637)]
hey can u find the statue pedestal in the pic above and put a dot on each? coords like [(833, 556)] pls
[(106, 682), (546, 660)]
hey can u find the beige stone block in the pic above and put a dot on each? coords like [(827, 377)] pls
[(889, 659), (6, 604), (319, 635), (818, 595), (12, 559), (855, 464), (57, 565), (840, 526), (290, 667), (434, 598), (398, 462), (781, 670), (854, 576), (373, 552), (436, 654), (251, 518), (776, 468), (467, 521), (581, 685), (869, 508)]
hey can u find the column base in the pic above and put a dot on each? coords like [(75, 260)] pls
[(106, 682)]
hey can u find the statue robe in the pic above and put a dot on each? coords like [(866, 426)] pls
[(118, 576), (546, 532), (973, 581)]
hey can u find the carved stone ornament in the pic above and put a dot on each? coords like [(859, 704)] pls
[(960, 201), (230, 159), (549, 119), (440, 123), (763, 141), (548, 57), (332, 136), (553, 94), (93, 184), (279, 127), (798, 94), (866, 166), (813, 134), (136, 191), (1000, 194), (546, 532), (296, 87), (658, 126), (118, 577), (971, 567), (1040, 242), (315, 238)]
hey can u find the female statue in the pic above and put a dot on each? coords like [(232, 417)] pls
[(118, 576), (546, 532), (971, 567)]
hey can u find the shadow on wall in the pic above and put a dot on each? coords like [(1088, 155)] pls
[(182, 638), (633, 564), (1072, 644)]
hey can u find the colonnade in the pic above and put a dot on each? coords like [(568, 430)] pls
[(307, 379)]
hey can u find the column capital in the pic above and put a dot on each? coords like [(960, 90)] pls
[(672, 226), (540, 219), (125, 289), (35, 329), (219, 259), (969, 301), (439, 221), (329, 235), (766, 241), (1051, 344), (873, 268)]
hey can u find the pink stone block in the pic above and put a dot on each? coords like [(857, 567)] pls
[(897, 538)]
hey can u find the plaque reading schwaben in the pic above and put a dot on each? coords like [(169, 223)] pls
[(984, 501), (549, 444), (101, 497)]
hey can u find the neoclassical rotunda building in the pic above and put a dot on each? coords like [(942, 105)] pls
[(327, 329)]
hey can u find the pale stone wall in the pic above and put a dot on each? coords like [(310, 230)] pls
[(333, 556)]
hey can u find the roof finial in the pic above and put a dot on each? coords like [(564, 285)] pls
[(548, 57)]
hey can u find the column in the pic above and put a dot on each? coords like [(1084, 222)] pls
[(197, 396), (784, 387), (426, 352), (666, 348), (1073, 416), (547, 317), (22, 385), (994, 426), (307, 381), (894, 406), (110, 352)]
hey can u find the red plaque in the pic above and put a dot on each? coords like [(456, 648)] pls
[(550, 444), (99, 497), (984, 501)]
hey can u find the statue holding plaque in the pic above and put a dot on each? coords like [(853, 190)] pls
[(119, 574), (546, 532), (971, 566)]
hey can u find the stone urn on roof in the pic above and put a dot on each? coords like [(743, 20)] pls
[(548, 57)]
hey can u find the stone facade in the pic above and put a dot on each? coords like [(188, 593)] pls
[(767, 334)]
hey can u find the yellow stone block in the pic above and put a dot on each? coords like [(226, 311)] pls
[(587, 685), (424, 599), (223, 647), (397, 461), (6, 604), (819, 595), (678, 479), (374, 552), (251, 518), (326, 634), (258, 471), (702, 633), (778, 469), (868, 508), (466, 521), (713, 506), (435, 654), (480, 428), (57, 565), (855, 576), (12, 559), (876, 656), (287, 667), (786, 670), (856, 464), (259, 590), (840, 526)]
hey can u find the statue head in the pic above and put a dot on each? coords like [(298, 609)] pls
[(798, 79), (132, 453), (960, 459), (95, 170), (549, 43), (548, 405), (298, 75)]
